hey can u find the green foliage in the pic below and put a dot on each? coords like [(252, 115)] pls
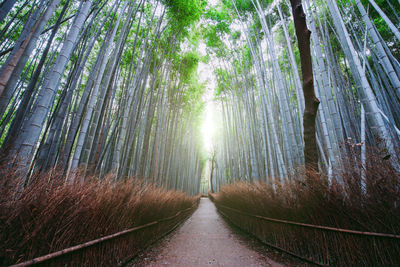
[(245, 6), (71, 9), (214, 41), (242, 6), (257, 28), (221, 16), (195, 36), (246, 57), (192, 98), (236, 35), (211, 37), (390, 8), (205, 59), (185, 13), (190, 62), (14, 29), (223, 77)]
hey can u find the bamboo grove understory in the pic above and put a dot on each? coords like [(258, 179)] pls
[(112, 86), (356, 79), (103, 86)]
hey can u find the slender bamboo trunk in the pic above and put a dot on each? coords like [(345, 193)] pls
[(25, 144)]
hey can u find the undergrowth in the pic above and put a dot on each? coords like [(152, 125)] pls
[(368, 204), (46, 217)]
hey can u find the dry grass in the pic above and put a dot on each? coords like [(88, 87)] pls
[(45, 217), (313, 200)]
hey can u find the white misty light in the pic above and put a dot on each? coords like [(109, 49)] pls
[(213, 2), (206, 75), (208, 127)]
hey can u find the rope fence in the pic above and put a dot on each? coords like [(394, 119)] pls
[(57, 254), (316, 244), (326, 228), (276, 247)]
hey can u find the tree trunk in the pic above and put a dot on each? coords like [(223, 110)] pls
[(24, 105), (25, 144), (14, 65), (5, 7), (311, 101)]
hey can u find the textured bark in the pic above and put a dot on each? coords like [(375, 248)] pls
[(311, 101)]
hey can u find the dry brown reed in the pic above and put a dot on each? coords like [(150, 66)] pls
[(370, 204), (45, 217)]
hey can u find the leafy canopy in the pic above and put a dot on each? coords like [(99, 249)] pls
[(184, 13)]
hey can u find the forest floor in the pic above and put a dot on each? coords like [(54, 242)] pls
[(206, 239)]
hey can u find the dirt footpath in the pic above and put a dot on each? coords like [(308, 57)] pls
[(204, 239)]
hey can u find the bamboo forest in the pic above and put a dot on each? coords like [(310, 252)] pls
[(200, 132)]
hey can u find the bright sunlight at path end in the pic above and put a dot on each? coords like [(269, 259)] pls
[(205, 240)]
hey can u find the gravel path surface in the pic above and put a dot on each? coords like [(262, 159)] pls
[(204, 239)]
